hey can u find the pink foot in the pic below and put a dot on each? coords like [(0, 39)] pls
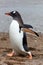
[(29, 55), (11, 54)]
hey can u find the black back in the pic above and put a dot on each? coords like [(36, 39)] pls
[(25, 42)]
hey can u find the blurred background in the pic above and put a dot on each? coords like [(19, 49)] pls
[(30, 10)]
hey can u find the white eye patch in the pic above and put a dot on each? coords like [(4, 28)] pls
[(14, 11)]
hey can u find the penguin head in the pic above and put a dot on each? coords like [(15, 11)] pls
[(13, 14)]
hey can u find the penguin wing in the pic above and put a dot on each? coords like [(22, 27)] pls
[(30, 31), (26, 26)]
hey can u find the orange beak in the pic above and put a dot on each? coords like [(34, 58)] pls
[(7, 14)]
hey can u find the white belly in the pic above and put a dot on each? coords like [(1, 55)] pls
[(16, 38)]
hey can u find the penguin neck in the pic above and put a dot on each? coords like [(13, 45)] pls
[(15, 21), (19, 20), (15, 25)]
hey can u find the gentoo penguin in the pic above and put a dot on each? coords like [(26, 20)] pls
[(17, 34)]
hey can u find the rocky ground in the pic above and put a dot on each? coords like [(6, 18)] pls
[(35, 45)]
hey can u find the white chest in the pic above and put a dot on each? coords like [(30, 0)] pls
[(14, 29), (16, 36)]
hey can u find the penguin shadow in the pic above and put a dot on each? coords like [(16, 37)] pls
[(36, 55), (33, 49), (23, 56)]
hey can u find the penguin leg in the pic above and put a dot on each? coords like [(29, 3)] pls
[(11, 53), (29, 55)]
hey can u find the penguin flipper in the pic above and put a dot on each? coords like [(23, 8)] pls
[(30, 31), (27, 26)]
